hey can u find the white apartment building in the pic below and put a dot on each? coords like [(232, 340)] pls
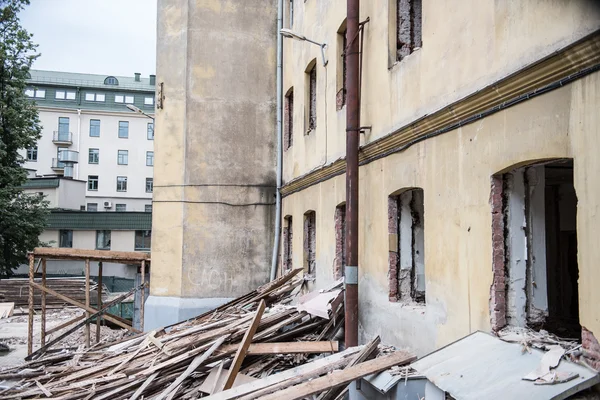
[(90, 133)]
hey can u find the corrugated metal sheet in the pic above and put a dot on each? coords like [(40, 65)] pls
[(481, 366), (88, 220)]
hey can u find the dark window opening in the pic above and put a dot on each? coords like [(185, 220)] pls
[(539, 235), (288, 128), (287, 244), (312, 98), (65, 238), (340, 241)]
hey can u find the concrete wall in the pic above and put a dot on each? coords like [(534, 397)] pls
[(466, 45), (215, 150)]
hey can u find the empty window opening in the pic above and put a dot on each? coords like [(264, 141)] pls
[(406, 246), (538, 233), (408, 27), (288, 128), (310, 243), (287, 243), (311, 96), (290, 13), (340, 241), (340, 99)]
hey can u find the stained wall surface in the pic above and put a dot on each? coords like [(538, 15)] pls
[(214, 178)]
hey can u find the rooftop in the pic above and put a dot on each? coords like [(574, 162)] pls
[(75, 79)]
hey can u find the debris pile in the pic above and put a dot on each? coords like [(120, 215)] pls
[(256, 346)]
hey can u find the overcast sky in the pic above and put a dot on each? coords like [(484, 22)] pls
[(109, 37)]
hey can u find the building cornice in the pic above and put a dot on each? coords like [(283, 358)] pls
[(93, 112), (549, 73)]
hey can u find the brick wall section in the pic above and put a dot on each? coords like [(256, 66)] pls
[(310, 242), (288, 123), (287, 244), (393, 256), (340, 242), (591, 348), (498, 287)]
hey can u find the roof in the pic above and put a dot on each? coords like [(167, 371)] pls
[(75, 79), (481, 366), (91, 220)]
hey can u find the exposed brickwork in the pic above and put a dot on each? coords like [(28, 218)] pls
[(393, 257), (591, 348), (340, 99), (498, 287), (409, 22), (288, 120), (340, 242), (287, 244), (310, 243)]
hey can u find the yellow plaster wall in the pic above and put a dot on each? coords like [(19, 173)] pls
[(466, 45), (454, 170)]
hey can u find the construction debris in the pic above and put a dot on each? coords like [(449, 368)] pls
[(256, 346), (16, 290)]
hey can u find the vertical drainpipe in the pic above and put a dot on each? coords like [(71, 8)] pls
[(352, 144), (277, 233)]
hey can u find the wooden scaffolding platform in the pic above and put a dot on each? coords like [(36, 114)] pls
[(88, 256)]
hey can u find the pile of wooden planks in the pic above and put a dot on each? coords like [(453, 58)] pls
[(256, 346), (16, 290)]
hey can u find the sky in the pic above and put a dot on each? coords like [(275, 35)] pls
[(108, 37)]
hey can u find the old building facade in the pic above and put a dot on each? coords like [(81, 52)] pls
[(478, 200)]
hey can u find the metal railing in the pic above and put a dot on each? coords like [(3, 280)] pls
[(62, 137)]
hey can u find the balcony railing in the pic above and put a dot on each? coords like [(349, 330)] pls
[(62, 137), (57, 165)]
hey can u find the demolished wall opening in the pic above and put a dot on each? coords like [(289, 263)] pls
[(310, 243), (407, 246), (340, 241), (534, 237)]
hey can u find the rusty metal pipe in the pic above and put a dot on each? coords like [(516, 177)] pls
[(352, 143)]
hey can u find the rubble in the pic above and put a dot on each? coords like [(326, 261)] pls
[(256, 346)]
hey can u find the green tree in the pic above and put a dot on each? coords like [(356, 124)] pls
[(22, 216)]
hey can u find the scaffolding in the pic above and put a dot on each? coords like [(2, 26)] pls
[(100, 312)]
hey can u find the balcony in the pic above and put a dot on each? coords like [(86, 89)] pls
[(62, 137), (57, 165)]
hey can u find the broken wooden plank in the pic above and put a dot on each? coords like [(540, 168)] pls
[(337, 378), (339, 359), (216, 379), (245, 343), (287, 348)]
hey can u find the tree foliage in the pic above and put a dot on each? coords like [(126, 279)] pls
[(22, 216)]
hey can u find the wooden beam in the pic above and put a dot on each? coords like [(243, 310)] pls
[(99, 301), (93, 255), (83, 306), (87, 302), (43, 333), (30, 320), (85, 322), (243, 349), (65, 324), (143, 296), (286, 348), (341, 377)]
